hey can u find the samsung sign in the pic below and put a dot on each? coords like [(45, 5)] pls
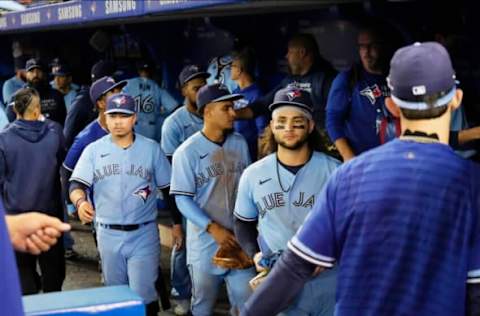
[(119, 6), (70, 12)]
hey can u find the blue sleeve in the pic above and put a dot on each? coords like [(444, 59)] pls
[(315, 240), (282, 285), (163, 170), (473, 276), (84, 170), (183, 175), (74, 154), (338, 106), (170, 137), (245, 208), (3, 119), (167, 101), (190, 209)]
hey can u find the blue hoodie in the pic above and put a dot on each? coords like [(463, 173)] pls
[(31, 153)]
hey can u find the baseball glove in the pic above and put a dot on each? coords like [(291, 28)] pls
[(232, 258)]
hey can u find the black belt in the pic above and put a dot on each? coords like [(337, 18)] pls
[(126, 228)]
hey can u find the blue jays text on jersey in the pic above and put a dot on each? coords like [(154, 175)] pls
[(131, 174), (279, 199)]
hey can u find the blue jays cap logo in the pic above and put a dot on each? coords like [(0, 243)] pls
[(193, 68), (122, 100), (110, 80), (223, 87), (293, 94), (143, 193)]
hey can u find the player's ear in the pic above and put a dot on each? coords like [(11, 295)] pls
[(392, 107), (457, 99)]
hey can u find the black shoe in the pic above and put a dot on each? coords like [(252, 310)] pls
[(71, 254)]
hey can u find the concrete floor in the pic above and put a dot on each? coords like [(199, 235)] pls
[(83, 272)]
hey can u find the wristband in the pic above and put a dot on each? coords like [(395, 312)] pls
[(79, 201)]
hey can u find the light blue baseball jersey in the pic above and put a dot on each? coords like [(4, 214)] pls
[(179, 126), (220, 69), (279, 199), (124, 181), (11, 86), (208, 172), (153, 106)]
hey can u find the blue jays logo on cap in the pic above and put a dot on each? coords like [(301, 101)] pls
[(294, 97), (293, 94), (120, 103), (143, 193)]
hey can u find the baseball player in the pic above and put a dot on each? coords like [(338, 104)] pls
[(406, 236), (180, 125), (124, 170), (153, 103), (206, 170), (279, 191)]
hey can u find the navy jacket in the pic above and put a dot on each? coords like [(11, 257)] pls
[(81, 113), (31, 154)]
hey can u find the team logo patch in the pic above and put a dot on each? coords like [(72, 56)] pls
[(372, 93), (143, 193), (293, 94), (122, 100)]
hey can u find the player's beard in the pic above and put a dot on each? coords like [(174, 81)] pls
[(296, 145)]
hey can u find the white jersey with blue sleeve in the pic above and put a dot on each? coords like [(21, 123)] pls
[(279, 199), (208, 172), (124, 181), (153, 106), (179, 126)]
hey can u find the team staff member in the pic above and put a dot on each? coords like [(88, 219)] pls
[(30, 232), (180, 125), (279, 191), (51, 101), (62, 81), (153, 102), (206, 170), (31, 152), (308, 71), (406, 236), (124, 170)]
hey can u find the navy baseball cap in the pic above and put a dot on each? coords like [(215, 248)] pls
[(143, 64), (101, 69), (216, 92), (102, 86), (61, 70), (420, 70), (120, 103), (191, 72), (292, 97), (33, 63)]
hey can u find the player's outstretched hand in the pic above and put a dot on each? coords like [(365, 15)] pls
[(34, 232), (86, 213), (177, 236), (222, 236)]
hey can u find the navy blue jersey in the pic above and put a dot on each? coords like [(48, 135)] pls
[(93, 132), (10, 296), (402, 222)]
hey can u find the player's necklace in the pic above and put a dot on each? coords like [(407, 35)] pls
[(280, 179)]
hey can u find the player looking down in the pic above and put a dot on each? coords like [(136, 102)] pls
[(206, 169)]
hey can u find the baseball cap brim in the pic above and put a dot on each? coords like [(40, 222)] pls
[(444, 100), (61, 73), (33, 67), (120, 85), (278, 104), (228, 97), (123, 111), (201, 74)]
